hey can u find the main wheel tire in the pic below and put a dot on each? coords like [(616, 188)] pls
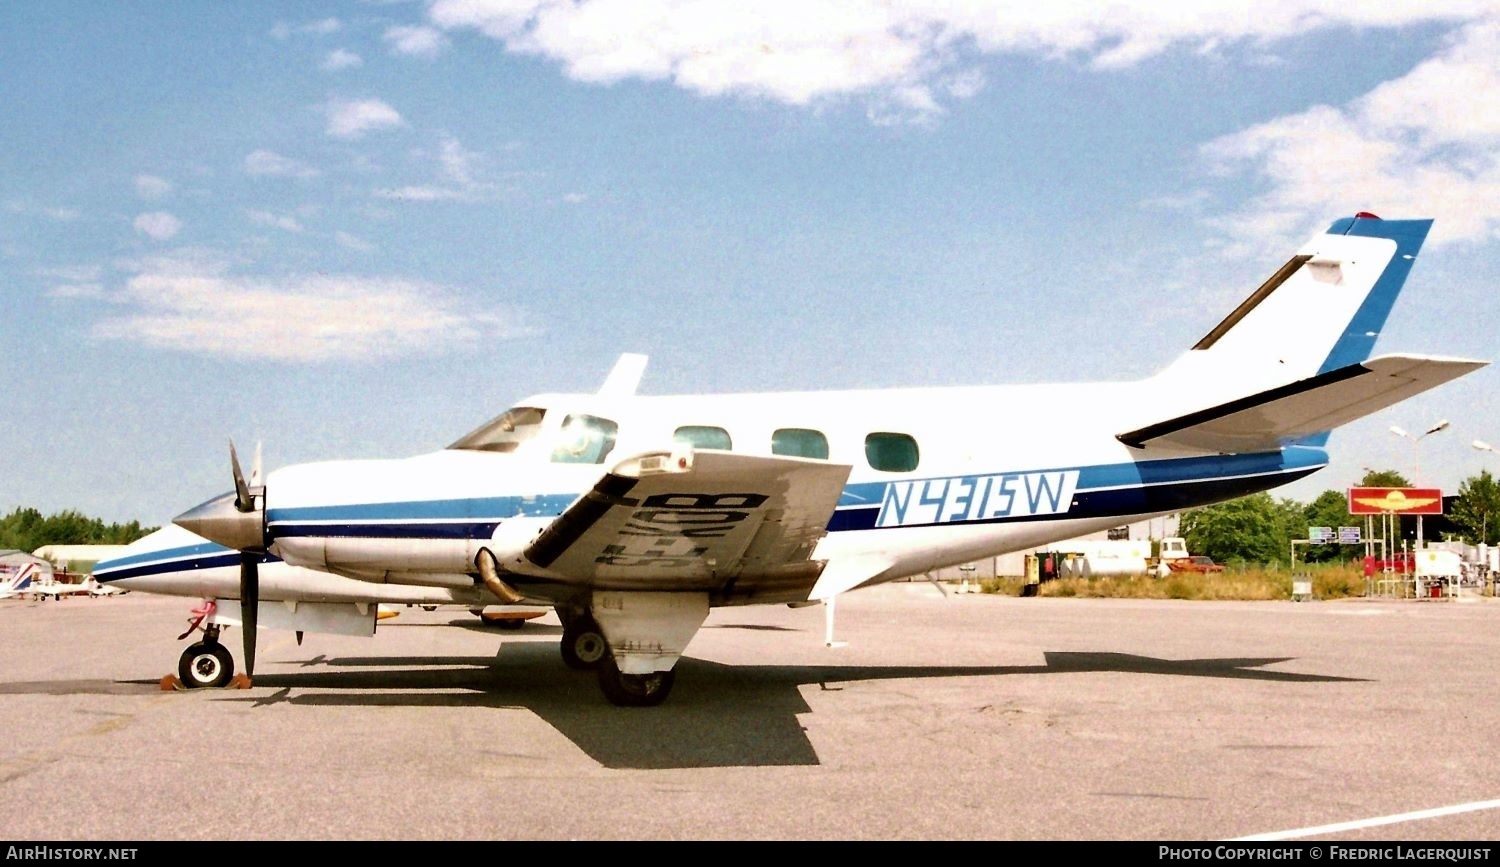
[(633, 690), (583, 645), (205, 664)]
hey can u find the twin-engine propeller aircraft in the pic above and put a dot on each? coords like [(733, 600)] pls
[(631, 516)]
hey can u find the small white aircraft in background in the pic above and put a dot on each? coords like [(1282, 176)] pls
[(58, 590), (631, 516), (31, 582)]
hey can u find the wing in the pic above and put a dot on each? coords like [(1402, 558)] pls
[(1275, 417), (734, 524)]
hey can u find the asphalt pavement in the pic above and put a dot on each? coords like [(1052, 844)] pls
[(944, 716)]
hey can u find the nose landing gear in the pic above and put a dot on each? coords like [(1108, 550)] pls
[(206, 663)]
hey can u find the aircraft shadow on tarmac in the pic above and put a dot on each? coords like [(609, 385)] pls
[(719, 715)]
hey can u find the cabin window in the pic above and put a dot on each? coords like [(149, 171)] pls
[(891, 452), (584, 439), (702, 437), (506, 432), (799, 442)]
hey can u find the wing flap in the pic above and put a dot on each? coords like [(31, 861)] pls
[(686, 519), (1275, 417)]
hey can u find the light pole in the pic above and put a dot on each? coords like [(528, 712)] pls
[(1485, 526), (1417, 460), (1369, 531)]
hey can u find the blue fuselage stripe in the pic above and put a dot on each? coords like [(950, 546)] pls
[(181, 560), (1109, 489)]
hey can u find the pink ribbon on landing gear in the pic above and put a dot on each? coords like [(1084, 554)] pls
[(202, 611)]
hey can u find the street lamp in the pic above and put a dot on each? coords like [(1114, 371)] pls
[(1485, 525), (1417, 460)]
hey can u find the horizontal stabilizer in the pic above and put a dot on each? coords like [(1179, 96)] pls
[(843, 575), (1275, 417)]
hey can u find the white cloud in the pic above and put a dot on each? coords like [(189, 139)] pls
[(61, 215), (1416, 146), (798, 51), (456, 169), (151, 186), (574, 198), (158, 225), (416, 41), (72, 273), (340, 58), (285, 222), (353, 242), (273, 164), (353, 118), (457, 163), (182, 306), (90, 291), (320, 27)]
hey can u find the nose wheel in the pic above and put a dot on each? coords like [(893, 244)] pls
[(205, 664)]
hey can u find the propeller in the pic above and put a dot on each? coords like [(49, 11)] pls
[(245, 497), (237, 520)]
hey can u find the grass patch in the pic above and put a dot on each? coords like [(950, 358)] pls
[(1330, 581)]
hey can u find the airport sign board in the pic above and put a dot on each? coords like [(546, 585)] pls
[(1400, 501)]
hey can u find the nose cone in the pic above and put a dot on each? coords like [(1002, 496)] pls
[(219, 521)]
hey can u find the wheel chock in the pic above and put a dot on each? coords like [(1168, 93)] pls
[(172, 683)]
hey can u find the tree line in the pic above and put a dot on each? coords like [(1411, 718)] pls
[(27, 529), (1260, 528)]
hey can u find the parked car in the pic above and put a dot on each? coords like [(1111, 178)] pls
[(1195, 563)]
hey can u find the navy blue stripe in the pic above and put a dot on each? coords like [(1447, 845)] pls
[(1154, 472), (455, 530), (203, 548), (345, 521), (1102, 504), (228, 558), (496, 508)]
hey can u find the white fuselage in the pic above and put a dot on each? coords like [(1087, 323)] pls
[(997, 469)]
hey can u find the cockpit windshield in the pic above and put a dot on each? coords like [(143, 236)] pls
[(505, 433)]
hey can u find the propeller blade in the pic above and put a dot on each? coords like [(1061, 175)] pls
[(242, 500), (249, 604)]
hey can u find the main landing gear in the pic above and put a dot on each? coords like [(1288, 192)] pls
[(583, 644), (633, 690), (584, 648)]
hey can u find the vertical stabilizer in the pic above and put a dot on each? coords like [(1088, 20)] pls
[(1322, 310), (625, 377)]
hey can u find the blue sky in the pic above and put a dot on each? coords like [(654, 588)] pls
[(360, 229)]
